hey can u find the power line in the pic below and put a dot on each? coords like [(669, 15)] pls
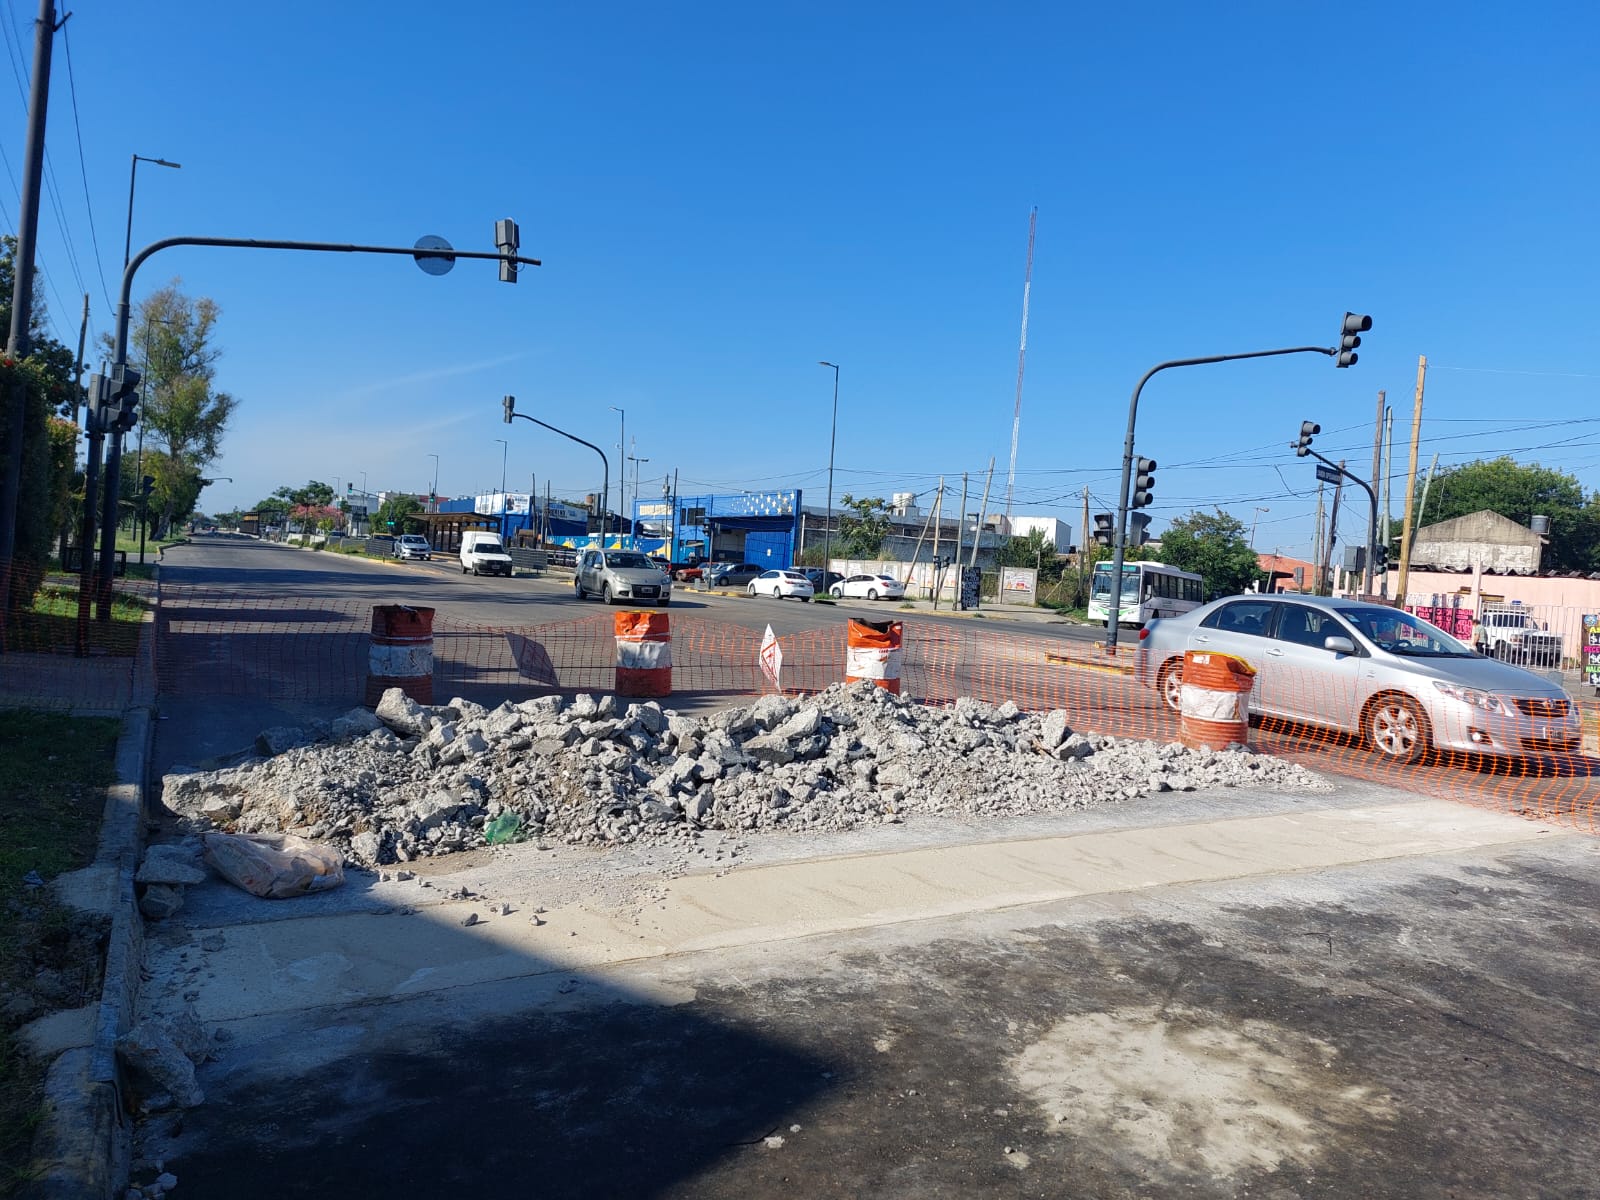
[(83, 168)]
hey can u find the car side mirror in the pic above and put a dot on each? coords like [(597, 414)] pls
[(1339, 645)]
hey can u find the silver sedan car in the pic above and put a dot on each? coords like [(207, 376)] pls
[(1403, 685)]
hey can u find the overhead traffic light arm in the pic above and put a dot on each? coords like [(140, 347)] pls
[(1127, 450)]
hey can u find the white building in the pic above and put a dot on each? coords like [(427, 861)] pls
[(1057, 533)]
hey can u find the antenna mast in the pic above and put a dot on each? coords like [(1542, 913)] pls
[(1022, 357)]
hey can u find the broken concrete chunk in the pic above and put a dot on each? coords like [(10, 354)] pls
[(152, 1057), (1055, 729), (280, 738), (160, 901), (358, 722), (401, 713), (171, 864)]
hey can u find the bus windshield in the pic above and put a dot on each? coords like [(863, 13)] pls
[(1102, 581)]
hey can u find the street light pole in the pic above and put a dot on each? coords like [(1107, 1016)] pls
[(833, 429), (133, 175), (434, 490), (1254, 517), (622, 475)]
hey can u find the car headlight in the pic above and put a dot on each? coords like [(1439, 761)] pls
[(1470, 696)]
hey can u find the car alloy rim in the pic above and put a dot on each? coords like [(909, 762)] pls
[(1172, 689), (1394, 729)]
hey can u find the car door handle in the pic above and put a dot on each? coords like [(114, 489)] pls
[(1274, 653)]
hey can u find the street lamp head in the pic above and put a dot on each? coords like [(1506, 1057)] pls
[(820, 363)]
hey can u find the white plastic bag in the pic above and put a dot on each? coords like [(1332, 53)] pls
[(274, 865)]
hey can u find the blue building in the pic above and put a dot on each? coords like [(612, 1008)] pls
[(758, 527)]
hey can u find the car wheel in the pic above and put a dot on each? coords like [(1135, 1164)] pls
[(1169, 684), (663, 603), (578, 588), (463, 570), (1397, 729), (836, 593), (872, 593), (751, 590), (605, 594)]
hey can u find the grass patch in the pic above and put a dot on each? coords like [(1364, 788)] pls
[(51, 625), (56, 771)]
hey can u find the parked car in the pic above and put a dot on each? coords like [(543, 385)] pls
[(412, 545), (1510, 632), (483, 554), (732, 575), (616, 575), (779, 584), (1404, 686), (821, 580), (868, 587)]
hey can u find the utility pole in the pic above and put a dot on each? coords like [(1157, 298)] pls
[(1083, 549), (1369, 576), (960, 525), (938, 517), (1388, 470), (977, 532), (1411, 479), (19, 346), (1022, 359), (1316, 548), (1333, 535), (1422, 505)]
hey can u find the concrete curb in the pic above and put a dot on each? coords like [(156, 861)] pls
[(83, 1146)]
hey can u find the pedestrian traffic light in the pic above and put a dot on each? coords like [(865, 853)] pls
[(507, 239), (124, 407), (1144, 478), (510, 403), (1105, 528), (1308, 430), (1355, 324)]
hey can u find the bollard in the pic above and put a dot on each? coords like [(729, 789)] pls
[(401, 653), (1214, 701), (644, 654), (872, 651)]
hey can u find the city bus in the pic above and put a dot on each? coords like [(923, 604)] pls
[(1149, 590)]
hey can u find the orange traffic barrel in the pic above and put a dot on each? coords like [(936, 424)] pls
[(401, 653), (1214, 701), (872, 651), (644, 654)]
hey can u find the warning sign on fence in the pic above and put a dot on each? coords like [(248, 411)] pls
[(771, 658), (1591, 649)]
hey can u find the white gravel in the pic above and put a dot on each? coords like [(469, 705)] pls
[(412, 782)]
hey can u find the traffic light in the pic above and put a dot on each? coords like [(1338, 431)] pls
[(146, 486), (1138, 528), (1144, 478), (1308, 430), (507, 239), (1105, 528), (1380, 560), (1355, 324), (510, 403), (123, 410)]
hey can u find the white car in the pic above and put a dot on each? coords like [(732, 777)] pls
[(868, 587), (779, 584), (412, 545)]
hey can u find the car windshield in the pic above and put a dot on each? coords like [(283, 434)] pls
[(1102, 583), (487, 546), (1403, 633), (629, 561)]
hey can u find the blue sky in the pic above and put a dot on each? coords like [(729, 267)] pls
[(725, 194)]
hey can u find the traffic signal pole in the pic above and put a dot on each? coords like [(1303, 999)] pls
[(1372, 499), (1114, 608), (436, 258)]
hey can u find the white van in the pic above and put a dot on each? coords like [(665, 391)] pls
[(482, 553)]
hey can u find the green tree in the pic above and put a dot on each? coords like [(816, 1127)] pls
[(394, 515), (1519, 491), (183, 414), (863, 528), (1031, 550), (47, 475), (1213, 546)]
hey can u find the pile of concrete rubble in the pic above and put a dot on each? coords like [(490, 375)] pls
[(412, 781)]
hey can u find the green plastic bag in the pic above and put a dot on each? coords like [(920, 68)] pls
[(507, 827)]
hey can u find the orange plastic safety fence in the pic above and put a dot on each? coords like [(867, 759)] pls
[(213, 643)]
